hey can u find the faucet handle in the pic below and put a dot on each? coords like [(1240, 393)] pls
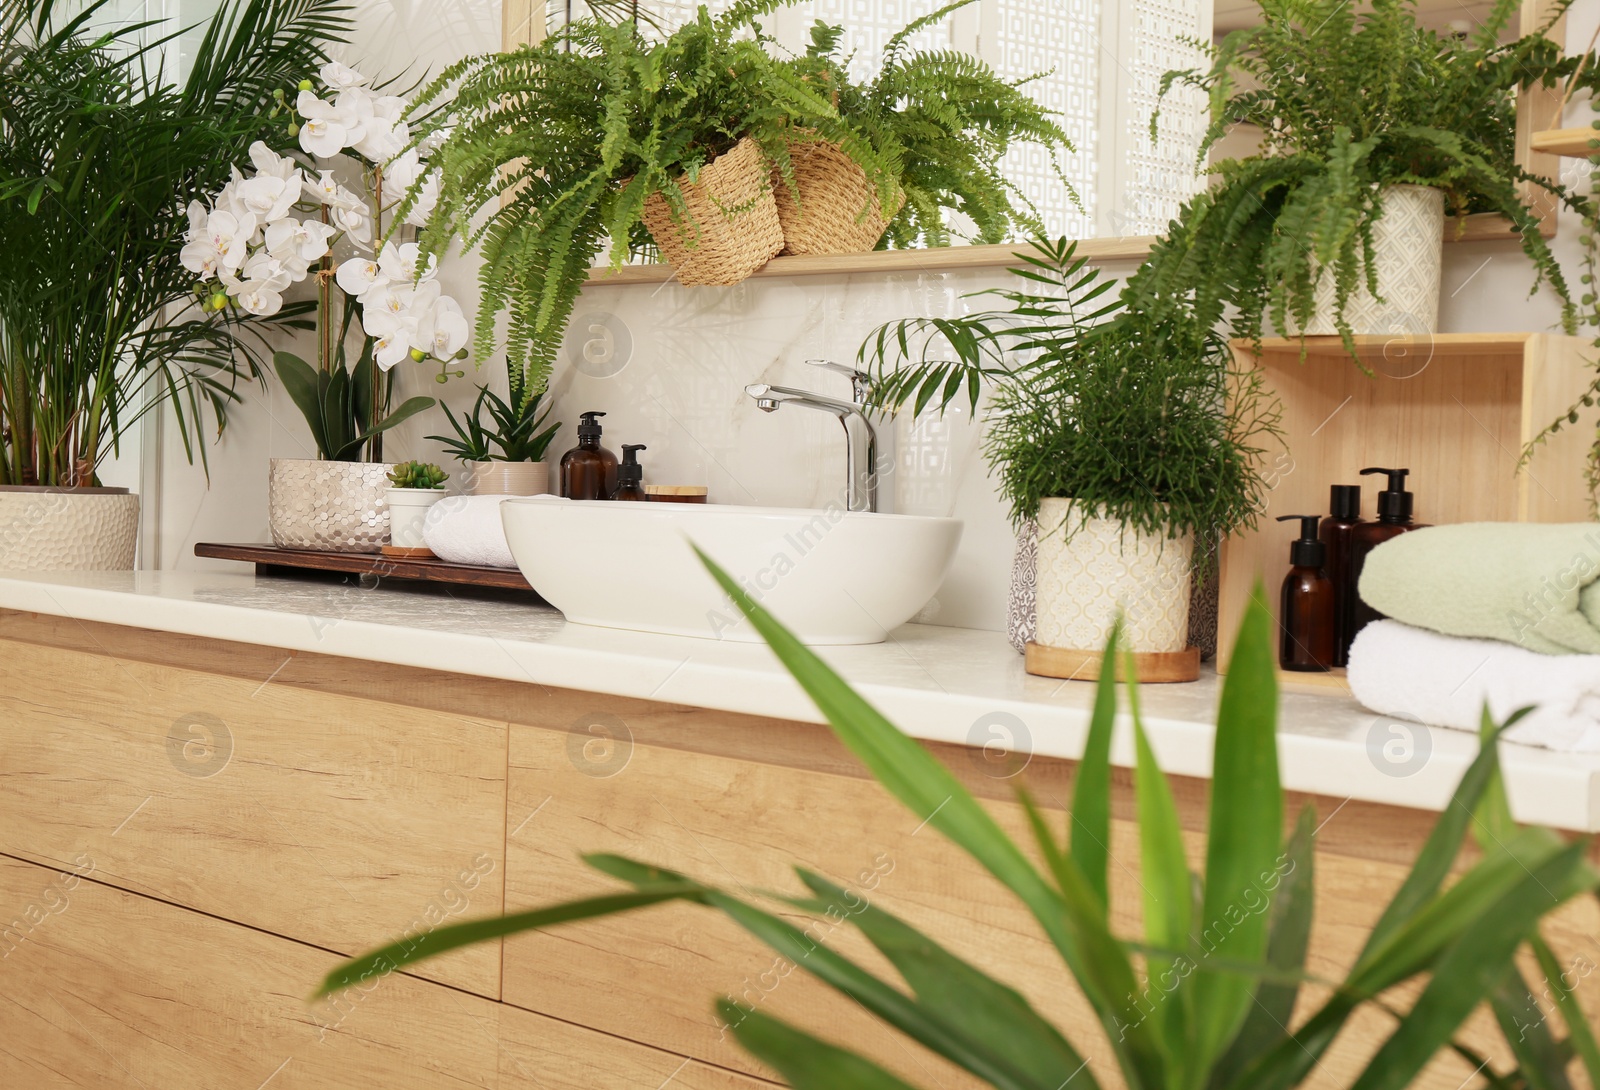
[(860, 381)]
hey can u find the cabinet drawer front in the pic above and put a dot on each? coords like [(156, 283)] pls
[(331, 819), (653, 975)]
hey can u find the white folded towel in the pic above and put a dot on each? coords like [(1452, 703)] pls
[(1412, 673), (468, 530)]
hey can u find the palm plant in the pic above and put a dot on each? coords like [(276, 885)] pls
[(942, 121), (1349, 98), (1223, 952), (99, 152)]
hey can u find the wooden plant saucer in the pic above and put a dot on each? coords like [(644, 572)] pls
[(1153, 667)]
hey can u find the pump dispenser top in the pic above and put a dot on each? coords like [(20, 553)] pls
[(1308, 551), (589, 426), (630, 474), (1394, 502)]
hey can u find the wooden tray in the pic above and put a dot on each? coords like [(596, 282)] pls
[(271, 560)]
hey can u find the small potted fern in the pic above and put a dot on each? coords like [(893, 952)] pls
[(1129, 439), (517, 428), (941, 120), (614, 140), (414, 487), (1374, 127)]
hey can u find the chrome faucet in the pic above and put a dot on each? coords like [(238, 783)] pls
[(861, 449)]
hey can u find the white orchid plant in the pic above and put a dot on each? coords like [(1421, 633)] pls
[(293, 218)]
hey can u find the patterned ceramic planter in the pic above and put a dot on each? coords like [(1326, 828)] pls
[(1408, 252), (330, 507), (507, 478), (1088, 570), (72, 529)]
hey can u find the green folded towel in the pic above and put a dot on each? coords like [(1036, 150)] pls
[(1531, 584)]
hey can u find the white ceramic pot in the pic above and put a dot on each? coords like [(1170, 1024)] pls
[(507, 478), (408, 511), (1090, 568), (71, 529), (329, 507), (1408, 252)]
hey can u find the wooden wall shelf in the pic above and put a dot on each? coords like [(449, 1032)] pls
[(1566, 142), (1454, 408)]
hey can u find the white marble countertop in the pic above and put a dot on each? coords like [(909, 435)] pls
[(942, 684)]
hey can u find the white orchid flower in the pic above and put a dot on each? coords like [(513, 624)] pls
[(325, 188), (382, 139), (269, 162), (268, 197), (341, 77), (360, 275), (427, 200), (393, 335), (198, 255), (259, 298), (228, 236), (400, 264), (443, 330), (402, 172), (351, 215), (354, 109), (434, 141), (324, 129), (299, 240)]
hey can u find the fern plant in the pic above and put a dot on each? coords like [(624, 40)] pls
[(1349, 99), (563, 141), (1206, 997), (941, 120), (1136, 416)]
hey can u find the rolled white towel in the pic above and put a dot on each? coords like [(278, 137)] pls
[(1411, 673), (468, 530)]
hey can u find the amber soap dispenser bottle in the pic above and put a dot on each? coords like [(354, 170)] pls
[(588, 470), (1338, 534), (1394, 519), (630, 475), (1309, 608)]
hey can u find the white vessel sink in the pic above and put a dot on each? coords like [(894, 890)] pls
[(832, 577)]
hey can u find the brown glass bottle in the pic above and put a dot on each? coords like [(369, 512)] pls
[(1337, 536), (630, 475), (588, 470), (1308, 608), (1394, 519)]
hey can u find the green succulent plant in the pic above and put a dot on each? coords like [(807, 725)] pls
[(1349, 99), (1220, 986), (516, 427), (417, 475)]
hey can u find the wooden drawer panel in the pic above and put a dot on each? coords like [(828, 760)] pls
[(652, 975), (332, 819), (100, 988)]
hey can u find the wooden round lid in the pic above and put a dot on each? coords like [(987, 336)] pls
[(675, 490)]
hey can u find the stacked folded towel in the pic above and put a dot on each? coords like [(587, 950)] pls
[(468, 530), (1506, 614)]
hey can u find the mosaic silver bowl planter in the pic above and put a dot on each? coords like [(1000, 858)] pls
[(73, 529), (329, 507)]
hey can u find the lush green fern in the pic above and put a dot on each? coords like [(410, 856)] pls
[(1349, 99), (562, 142), (942, 120)]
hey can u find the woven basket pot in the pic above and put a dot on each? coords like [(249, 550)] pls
[(732, 228), (1090, 569), (838, 211), (67, 529), (1408, 254), (328, 507)]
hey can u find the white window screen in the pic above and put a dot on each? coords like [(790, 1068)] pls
[(1099, 65), (169, 16)]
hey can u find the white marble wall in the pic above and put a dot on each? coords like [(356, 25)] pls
[(678, 387)]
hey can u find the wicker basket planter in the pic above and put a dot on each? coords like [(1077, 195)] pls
[(733, 226), (838, 211)]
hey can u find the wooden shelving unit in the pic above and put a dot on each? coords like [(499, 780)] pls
[(1454, 408), (1573, 142)]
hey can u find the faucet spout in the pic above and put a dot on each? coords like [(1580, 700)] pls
[(861, 438)]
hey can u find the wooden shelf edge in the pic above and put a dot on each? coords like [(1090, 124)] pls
[(1456, 344), (1566, 141), (1483, 227)]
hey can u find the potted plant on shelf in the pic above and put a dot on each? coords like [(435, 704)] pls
[(1206, 995), (943, 120), (97, 330), (414, 487), (517, 428), (1130, 440), (1373, 129), (613, 139), (285, 223)]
